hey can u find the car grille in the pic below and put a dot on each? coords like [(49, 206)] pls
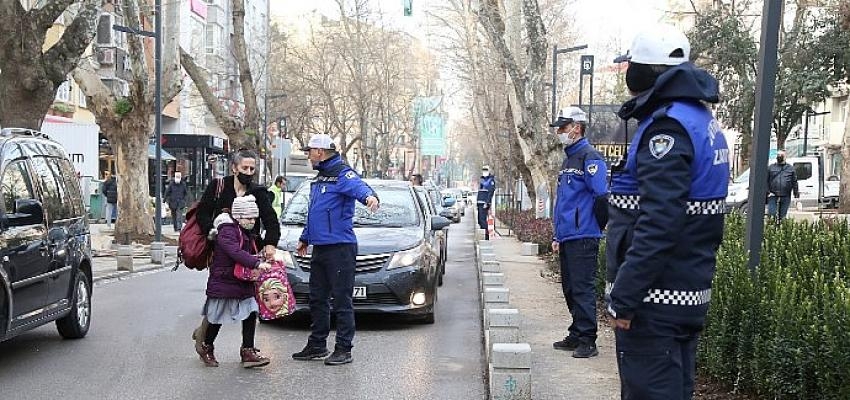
[(371, 299), (365, 263)]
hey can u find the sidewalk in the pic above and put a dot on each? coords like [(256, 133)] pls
[(555, 374), (105, 264)]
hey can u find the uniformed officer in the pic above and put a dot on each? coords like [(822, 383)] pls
[(581, 212), (666, 217), (486, 188), (330, 230)]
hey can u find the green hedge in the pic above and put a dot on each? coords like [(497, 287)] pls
[(784, 332)]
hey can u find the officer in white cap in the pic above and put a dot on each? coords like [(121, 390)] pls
[(665, 217), (486, 188), (580, 214)]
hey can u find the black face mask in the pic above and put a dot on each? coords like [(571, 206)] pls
[(780, 159), (244, 179), (640, 77)]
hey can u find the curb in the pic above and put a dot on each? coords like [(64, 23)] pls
[(508, 360), (139, 270)]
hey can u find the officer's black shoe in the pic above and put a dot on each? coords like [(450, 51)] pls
[(569, 343), (586, 350), (339, 357), (310, 353)]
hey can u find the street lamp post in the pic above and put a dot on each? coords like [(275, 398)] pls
[(809, 113), (266, 99), (555, 52)]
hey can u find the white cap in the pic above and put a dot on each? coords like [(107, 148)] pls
[(568, 115), (485, 168), (659, 45), (320, 141)]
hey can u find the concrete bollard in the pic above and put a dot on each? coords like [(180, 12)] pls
[(502, 327), (510, 371), (491, 266), (487, 256), (496, 297), (492, 279), (529, 249), (157, 252), (125, 258)]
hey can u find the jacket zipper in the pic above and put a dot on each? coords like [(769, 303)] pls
[(329, 221), (577, 225)]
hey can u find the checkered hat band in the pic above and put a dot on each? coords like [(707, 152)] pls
[(708, 207), (678, 297)]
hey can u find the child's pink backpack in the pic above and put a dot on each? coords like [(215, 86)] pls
[(274, 293)]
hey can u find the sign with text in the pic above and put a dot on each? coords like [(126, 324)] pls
[(431, 125)]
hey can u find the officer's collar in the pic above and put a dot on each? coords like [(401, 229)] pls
[(575, 147), (322, 165)]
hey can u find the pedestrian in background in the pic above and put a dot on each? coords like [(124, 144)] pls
[(231, 300), (666, 217), (416, 180), (175, 194), (276, 195), (330, 230), (110, 191), (781, 183), (486, 188), (580, 215)]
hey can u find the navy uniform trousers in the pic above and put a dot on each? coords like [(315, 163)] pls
[(332, 274)]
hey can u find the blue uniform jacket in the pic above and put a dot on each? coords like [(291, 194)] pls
[(582, 184), (330, 215), (486, 188), (666, 207)]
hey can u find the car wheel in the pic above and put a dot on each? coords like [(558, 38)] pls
[(744, 208), (76, 324)]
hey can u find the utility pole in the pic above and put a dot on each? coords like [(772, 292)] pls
[(765, 92)]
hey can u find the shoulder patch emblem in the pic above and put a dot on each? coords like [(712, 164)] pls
[(350, 174), (592, 168), (660, 145)]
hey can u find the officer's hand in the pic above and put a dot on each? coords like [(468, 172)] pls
[(372, 203), (301, 248), (624, 324), (269, 252), (486, 206), (555, 246)]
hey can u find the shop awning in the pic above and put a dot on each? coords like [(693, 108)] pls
[(165, 155)]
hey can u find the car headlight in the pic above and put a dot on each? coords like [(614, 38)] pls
[(406, 258), (285, 257)]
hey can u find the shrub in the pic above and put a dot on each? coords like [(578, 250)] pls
[(784, 331), (528, 228)]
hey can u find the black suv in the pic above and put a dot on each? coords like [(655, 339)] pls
[(45, 247), (398, 263)]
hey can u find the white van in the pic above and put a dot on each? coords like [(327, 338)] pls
[(809, 180)]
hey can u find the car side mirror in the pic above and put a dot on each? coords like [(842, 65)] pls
[(27, 212), (438, 223)]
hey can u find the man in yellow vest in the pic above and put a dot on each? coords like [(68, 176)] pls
[(277, 189)]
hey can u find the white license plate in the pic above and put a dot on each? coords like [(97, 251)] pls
[(360, 292)]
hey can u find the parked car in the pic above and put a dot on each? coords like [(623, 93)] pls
[(451, 208), (809, 180), (458, 195), (45, 273), (397, 268), (440, 238)]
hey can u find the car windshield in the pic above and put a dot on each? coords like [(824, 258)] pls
[(398, 208), (292, 182)]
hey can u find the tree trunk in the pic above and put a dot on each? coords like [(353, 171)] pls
[(844, 192), (249, 94), (135, 216), (30, 74)]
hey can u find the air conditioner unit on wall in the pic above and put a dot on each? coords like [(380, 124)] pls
[(105, 56)]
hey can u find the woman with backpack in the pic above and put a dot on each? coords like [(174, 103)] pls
[(230, 299), (219, 196)]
